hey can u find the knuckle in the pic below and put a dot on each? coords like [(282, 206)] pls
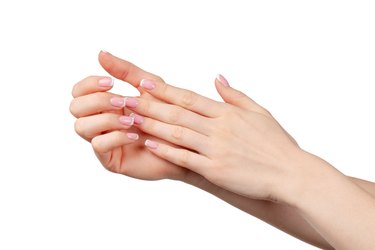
[(158, 79), (99, 96), (239, 96), (163, 89), (174, 116), (188, 98), (149, 126), (164, 152), (177, 133), (185, 157), (108, 122), (215, 174), (146, 106), (266, 112), (97, 145)]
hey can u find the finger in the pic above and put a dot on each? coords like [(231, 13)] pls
[(105, 143), (235, 97), (91, 126), (170, 114), (124, 70), (92, 84), (177, 135), (96, 103), (183, 98), (180, 157)]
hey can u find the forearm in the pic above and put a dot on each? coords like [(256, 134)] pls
[(342, 211), (281, 216)]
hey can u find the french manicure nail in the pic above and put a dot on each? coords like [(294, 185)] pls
[(104, 51), (127, 120), (132, 136), (118, 102), (151, 144), (222, 80), (106, 82), (131, 102), (148, 84), (138, 119)]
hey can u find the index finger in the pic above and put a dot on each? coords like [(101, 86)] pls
[(183, 98), (124, 70)]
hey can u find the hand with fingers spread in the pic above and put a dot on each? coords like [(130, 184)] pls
[(237, 145)]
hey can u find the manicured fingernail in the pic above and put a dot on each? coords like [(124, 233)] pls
[(151, 144), (106, 82), (104, 51), (118, 102), (132, 136), (148, 84), (131, 102), (222, 80), (138, 119), (126, 120)]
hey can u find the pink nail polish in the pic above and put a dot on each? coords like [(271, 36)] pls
[(138, 119), (106, 82), (132, 136), (148, 84), (131, 102), (118, 102), (151, 144), (127, 120), (222, 80)]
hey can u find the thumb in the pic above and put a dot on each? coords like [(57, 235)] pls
[(233, 96), (124, 70)]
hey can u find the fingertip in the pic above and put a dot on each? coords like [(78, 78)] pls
[(221, 79), (103, 57), (151, 144), (132, 136), (147, 84)]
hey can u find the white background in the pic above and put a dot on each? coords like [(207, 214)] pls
[(310, 62)]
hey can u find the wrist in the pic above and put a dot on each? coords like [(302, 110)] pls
[(308, 177)]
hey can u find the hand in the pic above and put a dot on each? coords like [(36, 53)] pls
[(108, 127), (237, 145)]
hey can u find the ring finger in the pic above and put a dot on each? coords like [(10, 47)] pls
[(96, 103), (91, 126), (177, 135)]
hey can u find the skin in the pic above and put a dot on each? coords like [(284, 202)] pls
[(243, 156)]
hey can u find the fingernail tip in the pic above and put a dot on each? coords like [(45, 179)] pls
[(222, 80)]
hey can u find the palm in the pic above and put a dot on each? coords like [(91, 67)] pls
[(136, 161)]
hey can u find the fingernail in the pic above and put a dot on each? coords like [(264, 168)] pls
[(132, 136), (131, 102), (222, 80), (151, 144), (126, 120), (118, 102), (148, 84), (105, 52), (106, 82), (138, 119)]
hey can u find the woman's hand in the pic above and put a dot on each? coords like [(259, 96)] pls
[(103, 121), (237, 145)]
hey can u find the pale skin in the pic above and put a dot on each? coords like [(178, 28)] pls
[(235, 150)]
